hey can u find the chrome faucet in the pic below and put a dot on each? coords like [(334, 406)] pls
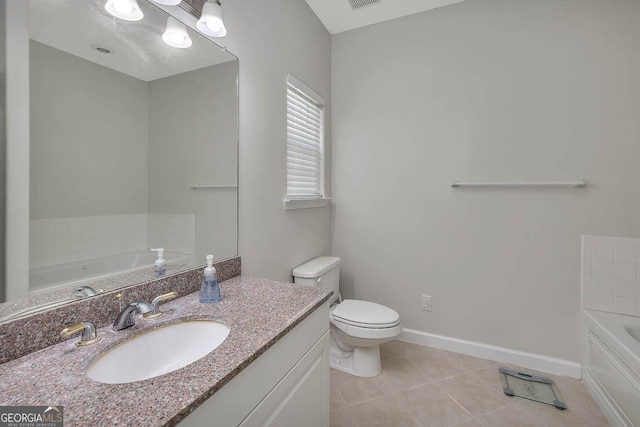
[(127, 317), (86, 291), (155, 305), (89, 333)]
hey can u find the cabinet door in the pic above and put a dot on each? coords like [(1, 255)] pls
[(301, 397), (239, 398)]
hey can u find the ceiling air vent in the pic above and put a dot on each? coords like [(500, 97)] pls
[(359, 4)]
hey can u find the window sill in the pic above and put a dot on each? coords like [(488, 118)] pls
[(292, 204)]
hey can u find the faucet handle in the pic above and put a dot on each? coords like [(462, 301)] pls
[(89, 333), (156, 304)]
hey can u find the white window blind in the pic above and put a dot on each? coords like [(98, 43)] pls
[(305, 141)]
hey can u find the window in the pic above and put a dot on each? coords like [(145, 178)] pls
[(305, 147)]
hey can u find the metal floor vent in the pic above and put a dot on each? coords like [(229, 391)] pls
[(358, 4), (532, 387)]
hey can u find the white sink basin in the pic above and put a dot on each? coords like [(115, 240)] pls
[(158, 352)]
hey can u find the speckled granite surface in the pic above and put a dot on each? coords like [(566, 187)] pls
[(20, 337), (258, 312)]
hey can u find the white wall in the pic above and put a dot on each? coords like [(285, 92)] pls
[(485, 89), (88, 137), (271, 39)]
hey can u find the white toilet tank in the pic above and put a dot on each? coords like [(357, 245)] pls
[(323, 271)]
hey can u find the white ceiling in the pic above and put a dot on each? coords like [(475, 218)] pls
[(339, 16), (137, 47)]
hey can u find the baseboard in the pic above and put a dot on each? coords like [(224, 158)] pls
[(499, 354)]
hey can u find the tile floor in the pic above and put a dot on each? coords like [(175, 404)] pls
[(422, 386)]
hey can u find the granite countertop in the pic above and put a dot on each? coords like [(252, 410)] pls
[(258, 312)]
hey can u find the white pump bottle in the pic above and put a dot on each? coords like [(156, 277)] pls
[(159, 266)]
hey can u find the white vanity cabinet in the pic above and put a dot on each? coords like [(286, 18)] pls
[(288, 385)]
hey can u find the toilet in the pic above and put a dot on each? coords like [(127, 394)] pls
[(357, 327)]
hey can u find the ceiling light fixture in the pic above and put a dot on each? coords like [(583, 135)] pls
[(124, 9), (176, 34), (210, 22), (167, 2)]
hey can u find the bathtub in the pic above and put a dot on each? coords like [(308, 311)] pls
[(77, 273), (611, 364)]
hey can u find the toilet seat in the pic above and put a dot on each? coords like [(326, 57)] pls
[(364, 319), (365, 314)]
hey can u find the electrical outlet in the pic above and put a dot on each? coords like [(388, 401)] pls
[(426, 302)]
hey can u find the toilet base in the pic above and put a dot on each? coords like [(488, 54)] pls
[(360, 362)]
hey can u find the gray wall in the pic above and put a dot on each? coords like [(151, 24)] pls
[(271, 39), (193, 132), (482, 90), (88, 138)]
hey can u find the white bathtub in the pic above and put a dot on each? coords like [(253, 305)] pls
[(611, 364), (77, 273)]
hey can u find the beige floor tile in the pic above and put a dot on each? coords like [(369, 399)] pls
[(432, 407), (509, 416), (470, 423), (549, 416), (384, 411), (474, 396), (397, 348), (355, 389), (431, 387), (490, 376), (437, 364), (576, 396), (399, 373), (342, 418), (335, 398)]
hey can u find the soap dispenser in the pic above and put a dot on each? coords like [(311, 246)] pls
[(210, 291), (159, 265)]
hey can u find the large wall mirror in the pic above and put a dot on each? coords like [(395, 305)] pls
[(134, 146)]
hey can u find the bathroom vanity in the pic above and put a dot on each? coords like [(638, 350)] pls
[(272, 369), (288, 383)]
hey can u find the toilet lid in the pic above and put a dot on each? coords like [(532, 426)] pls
[(363, 313)]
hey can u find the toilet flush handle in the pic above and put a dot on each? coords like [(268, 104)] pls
[(319, 279)]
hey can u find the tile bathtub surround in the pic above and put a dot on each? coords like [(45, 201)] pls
[(611, 274), (23, 336), (56, 374), (424, 386), (63, 240)]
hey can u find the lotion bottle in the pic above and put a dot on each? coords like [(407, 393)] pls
[(210, 291), (159, 265)]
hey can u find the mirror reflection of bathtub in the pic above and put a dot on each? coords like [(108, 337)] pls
[(92, 271)]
